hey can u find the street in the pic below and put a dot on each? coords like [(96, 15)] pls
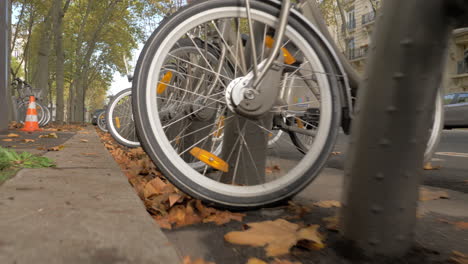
[(451, 155)]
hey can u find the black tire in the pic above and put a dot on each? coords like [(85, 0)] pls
[(158, 154)]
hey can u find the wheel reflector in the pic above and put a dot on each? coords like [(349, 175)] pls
[(117, 122), (209, 159), (164, 81), (299, 123), (288, 57)]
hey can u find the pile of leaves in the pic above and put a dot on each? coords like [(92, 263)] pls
[(170, 207)]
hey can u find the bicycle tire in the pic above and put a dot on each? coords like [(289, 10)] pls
[(101, 120), (131, 140), (153, 140)]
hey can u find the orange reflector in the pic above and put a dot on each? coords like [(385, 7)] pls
[(299, 123), (209, 159), (163, 83), (117, 122), (288, 57)]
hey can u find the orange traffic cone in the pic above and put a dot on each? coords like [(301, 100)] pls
[(31, 124)]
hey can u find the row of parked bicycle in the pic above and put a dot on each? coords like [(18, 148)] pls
[(23, 91)]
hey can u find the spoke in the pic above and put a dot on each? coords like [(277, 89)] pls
[(193, 132), (196, 143), (198, 66), (248, 150), (183, 117), (227, 44), (270, 131), (190, 92), (285, 106)]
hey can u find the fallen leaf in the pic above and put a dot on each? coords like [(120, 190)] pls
[(459, 258), (7, 140), (272, 169), (174, 198), (163, 223), (461, 225), (255, 261), (331, 222), (56, 148), (276, 236), (223, 217), (183, 216), (26, 140), (188, 260), (89, 154), (428, 166), (83, 132), (11, 135), (335, 153), (155, 187), (51, 135), (426, 194), (84, 140), (327, 204)]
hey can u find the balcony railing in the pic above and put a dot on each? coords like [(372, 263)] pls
[(368, 18), (350, 25), (462, 67), (358, 53)]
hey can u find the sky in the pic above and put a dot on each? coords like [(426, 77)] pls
[(120, 81)]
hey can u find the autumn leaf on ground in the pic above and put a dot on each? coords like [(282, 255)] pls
[(428, 166), (157, 186), (335, 153), (223, 217), (298, 210), (276, 236), (255, 261), (426, 194), (26, 140), (272, 169), (51, 135), (459, 258), (183, 216), (56, 148), (327, 204), (84, 140), (174, 198), (11, 135), (188, 260), (331, 222), (461, 225), (7, 140)]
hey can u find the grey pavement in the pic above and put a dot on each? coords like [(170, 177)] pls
[(82, 211)]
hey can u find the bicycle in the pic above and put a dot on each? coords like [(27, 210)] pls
[(264, 53), (25, 90), (102, 122)]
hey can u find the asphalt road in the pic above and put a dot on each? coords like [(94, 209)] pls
[(451, 155)]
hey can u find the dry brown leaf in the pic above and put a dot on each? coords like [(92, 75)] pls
[(335, 153), (188, 260), (12, 135), (7, 140), (56, 148), (272, 169), (174, 198), (428, 166), (183, 216), (84, 140), (277, 236), (26, 140), (51, 135), (461, 225), (331, 222), (327, 204), (459, 258), (426, 194), (139, 185), (223, 217), (255, 261), (279, 261), (157, 186)]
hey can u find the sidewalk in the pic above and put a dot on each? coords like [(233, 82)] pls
[(83, 211)]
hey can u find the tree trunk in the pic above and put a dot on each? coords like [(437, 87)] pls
[(41, 75)]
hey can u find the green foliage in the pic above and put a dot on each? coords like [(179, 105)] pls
[(10, 159)]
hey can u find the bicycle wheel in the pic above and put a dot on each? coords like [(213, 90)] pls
[(224, 181), (102, 122), (120, 119)]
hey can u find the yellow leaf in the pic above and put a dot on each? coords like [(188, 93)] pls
[(426, 194), (173, 198), (7, 140), (56, 148), (28, 140), (459, 258), (428, 166), (331, 222), (51, 135), (328, 204), (223, 217), (188, 260), (255, 261), (84, 140), (11, 135), (276, 236)]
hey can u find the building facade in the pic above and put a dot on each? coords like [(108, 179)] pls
[(354, 38)]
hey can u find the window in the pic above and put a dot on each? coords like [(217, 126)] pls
[(448, 98), (462, 98), (351, 19)]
